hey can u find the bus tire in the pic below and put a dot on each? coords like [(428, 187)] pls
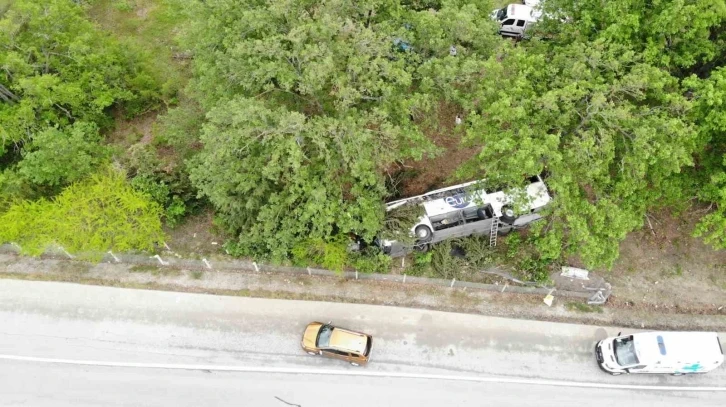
[(421, 247), (507, 215), (505, 231), (423, 233)]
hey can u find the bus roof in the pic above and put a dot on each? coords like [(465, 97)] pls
[(451, 199)]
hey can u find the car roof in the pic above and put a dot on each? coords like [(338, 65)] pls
[(348, 341)]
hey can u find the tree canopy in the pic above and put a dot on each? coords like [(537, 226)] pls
[(300, 113), (59, 76), (308, 104), (311, 103)]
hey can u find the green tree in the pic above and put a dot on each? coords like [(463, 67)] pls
[(608, 128), (308, 104), (59, 77), (685, 36), (278, 177), (94, 216), (710, 178), (58, 157)]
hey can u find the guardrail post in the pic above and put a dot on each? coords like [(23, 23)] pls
[(404, 278), (452, 282), (70, 256), (254, 263), (116, 259), (162, 262)]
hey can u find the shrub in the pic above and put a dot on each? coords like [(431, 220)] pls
[(398, 222), (445, 265), (100, 214), (371, 260), (331, 255)]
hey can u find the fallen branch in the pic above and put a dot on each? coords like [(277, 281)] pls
[(649, 224)]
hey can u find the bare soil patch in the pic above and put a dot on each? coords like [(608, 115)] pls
[(439, 171), (130, 131), (668, 268), (197, 236)]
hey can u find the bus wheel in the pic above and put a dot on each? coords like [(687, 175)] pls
[(507, 215), (421, 247), (423, 233)]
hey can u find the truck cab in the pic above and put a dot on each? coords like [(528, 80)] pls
[(675, 353)]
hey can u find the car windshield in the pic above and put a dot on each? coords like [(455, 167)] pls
[(324, 334), (625, 351), (502, 14)]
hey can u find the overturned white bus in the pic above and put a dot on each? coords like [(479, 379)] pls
[(468, 209)]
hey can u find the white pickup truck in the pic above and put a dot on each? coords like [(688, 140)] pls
[(515, 19)]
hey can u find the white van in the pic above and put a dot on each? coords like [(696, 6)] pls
[(514, 19), (675, 353)]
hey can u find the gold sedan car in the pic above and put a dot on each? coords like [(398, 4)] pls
[(333, 342)]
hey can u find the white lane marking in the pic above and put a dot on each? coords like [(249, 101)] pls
[(358, 372)]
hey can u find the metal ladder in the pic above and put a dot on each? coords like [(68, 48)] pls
[(493, 232)]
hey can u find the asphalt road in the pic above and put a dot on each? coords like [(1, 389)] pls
[(516, 362)]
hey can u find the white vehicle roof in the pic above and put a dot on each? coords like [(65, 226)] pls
[(396, 204), (536, 192), (521, 12), (531, 3), (683, 347), (455, 202)]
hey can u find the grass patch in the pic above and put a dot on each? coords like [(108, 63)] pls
[(718, 279), (676, 271), (462, 298), (582, 307), (154, 270), (197, 274)]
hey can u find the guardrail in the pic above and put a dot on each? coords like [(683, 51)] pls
[(597, 296)]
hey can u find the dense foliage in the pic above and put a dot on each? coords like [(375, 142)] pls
[(309, 103), (91, 217), (299, 110), (59, 76)]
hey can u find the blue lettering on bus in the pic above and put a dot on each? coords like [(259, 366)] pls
[(458, 201)]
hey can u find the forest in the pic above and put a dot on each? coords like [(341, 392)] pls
[(294, 121)]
